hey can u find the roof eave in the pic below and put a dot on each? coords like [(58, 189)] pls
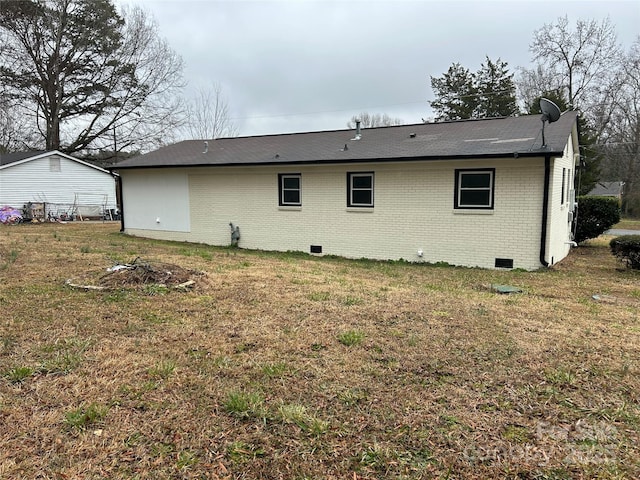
[(426, 158)]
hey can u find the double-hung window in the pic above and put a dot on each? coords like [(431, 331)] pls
[(290, 189), (360, 189), (474, 188)]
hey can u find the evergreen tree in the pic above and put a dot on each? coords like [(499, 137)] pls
[(496, 90), (455, 94), (461, 94)]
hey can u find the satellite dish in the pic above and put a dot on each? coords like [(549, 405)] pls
[(550, 111), (550, 114)]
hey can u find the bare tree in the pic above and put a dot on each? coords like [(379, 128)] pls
[(579, 60), (208, 114), (368, 120), (16, 133), (620, 138), (87, 76), (151, 111)]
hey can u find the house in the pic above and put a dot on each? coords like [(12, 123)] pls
[(608, 189), (483, 193), (53, 184)]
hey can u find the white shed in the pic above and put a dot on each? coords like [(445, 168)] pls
[(65, 186)]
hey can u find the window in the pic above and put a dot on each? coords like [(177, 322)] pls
[(564, 181), (474, 189), (360, 189), (289, 188)]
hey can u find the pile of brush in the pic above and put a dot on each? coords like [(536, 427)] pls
[(141, 273)]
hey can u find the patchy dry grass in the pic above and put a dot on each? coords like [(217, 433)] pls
[(297, 367), (628, 224)]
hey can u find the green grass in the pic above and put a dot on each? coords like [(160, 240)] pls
[(275, 369), (517, 434), (245, 404), (301, 367), (298, 415), (19, 374), (84, 417), (240, 451), (628, 224), (163, 370), (351, 338)]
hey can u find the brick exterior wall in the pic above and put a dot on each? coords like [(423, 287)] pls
[(414, 211)]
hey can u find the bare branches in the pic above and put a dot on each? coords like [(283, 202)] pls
[(579, 60), (208, 115), (89, 77), (620, 138), (372, 120)]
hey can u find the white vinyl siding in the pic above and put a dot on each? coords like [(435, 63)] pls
[(56, 180)]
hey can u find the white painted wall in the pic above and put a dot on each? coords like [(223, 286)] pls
[(559, 234), (39, 180), (413, 211), (156, 200)]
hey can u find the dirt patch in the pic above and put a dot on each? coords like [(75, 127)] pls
[(139, 273)]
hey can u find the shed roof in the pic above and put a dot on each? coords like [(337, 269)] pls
[(495, 137), (8, 160)]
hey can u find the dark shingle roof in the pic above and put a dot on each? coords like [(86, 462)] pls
[(7, 158), (607, 189), (463, 139)]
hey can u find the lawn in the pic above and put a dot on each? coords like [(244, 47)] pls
[(298, 367), (628, 224)]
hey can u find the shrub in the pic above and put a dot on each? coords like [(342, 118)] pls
[(596, 215), (627, 249)]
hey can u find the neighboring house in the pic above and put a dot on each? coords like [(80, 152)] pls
[(481, 193), (608, 189), (58, 184)]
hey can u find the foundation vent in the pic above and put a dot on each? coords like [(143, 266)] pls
[(504, 263)]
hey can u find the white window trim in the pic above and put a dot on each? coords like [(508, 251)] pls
[(281, 190), (459, 173), (350, 202)]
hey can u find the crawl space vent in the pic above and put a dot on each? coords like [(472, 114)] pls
[(504, 262), (316, 249)]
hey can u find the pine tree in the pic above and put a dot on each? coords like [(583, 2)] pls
[(461, 94), (455, 94), (496, 90)]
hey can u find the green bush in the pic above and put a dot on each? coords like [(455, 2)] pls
[(627, 249), (596, 215)]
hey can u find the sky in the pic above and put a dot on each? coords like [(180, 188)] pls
[(298, 65)]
